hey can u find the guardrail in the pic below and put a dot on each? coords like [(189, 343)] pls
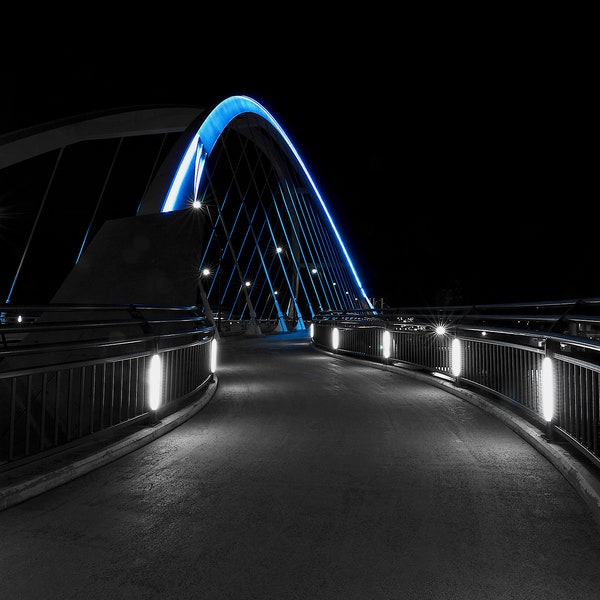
[(70, 372), (542, 358)]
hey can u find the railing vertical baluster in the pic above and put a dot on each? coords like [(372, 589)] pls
[(569, 404), (588, 409), (103, 396), (579, 403), (595, 398), (57, 406), (81, 401), (69, 404), (136, 382), (28, 416), (129, 388), (92, 398), (43, 412), (122, 387), (112, 394), (13, 411)]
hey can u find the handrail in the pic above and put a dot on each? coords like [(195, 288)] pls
[(534, 313)]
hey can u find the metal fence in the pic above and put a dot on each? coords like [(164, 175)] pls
[(543, 358), (71, 372)]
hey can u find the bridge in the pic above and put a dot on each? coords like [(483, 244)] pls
[(207, 404)]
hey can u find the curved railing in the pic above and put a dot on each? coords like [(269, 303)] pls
[(542, 358), (70, 372)]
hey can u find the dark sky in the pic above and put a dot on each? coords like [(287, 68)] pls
[(453, 162)]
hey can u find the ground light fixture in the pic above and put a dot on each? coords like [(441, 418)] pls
[(213, 356), (456, 357), (155, 382), (311, 330), (547, 389), (335, 338), (387, 344)]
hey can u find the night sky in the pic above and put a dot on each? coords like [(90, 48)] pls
[(454, 164)]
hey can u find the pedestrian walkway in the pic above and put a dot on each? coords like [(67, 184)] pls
[(308, 475)]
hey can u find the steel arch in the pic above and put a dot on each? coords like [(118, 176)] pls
[(271, 239)]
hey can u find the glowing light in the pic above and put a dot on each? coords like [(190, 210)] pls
[(155, 382), (279, 249), (456, 357), (213, 356), (205, 271), (248, 283), (335, 338), (313, 271), (440, 330), (186, 161), (19, 319), (547, 389), (387, 344), (311, 330), (196, 204)]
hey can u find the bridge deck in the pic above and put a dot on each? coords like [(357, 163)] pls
[(308, 478)]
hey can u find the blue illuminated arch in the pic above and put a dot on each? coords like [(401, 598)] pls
[(203, 143)]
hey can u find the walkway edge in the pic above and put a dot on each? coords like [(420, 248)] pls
[(582, 478), (36, 485)]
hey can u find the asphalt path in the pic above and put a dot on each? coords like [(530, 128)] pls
[(306, 477)]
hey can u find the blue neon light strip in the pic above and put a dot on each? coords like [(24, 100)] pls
[(182, 170), (207, 137)]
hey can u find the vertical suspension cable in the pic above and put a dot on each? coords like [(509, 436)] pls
[(33, 228)]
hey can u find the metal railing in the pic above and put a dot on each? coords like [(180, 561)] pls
[(508, 350), (70, 372)]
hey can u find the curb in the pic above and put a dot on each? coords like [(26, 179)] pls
[(33, 485)]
